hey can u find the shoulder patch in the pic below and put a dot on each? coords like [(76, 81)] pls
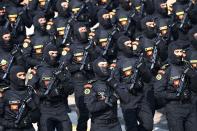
[(25, 45), (26, 42), (30, 76), (159, 77), (87, 88), (87, 91)]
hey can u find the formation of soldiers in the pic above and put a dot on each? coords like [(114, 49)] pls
[(142, 53)]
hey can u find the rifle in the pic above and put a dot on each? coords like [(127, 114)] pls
[(155, 52), (54, 79), (182, 84), (48, 6), (18, 21), (142, 8), (185, 18), (131, 15), (10, 63), (85, 56), (109, 40), (23, 106), (136, 72), (70, 20), (108, 4), (7, 24)]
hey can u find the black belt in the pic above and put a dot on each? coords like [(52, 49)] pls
[(107, 121), (180, 102)]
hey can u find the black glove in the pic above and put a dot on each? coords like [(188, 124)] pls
[(24, 123), (74, 68), (112, 82), (31, 104), (62, 75), (191, 72), (185, 95), (88, 67), (54, 92), (110, 100), (137, 88)]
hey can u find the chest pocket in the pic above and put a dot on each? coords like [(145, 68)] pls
[(14, 105)]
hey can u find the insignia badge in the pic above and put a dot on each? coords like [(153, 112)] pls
[(87, 91), (158, 77), (25, 45)]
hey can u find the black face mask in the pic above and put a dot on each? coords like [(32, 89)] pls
[(42, 29), (64, 12), (2, 19), (18, 83), (150, 32), (106, 23), (163, 11), (128, 50), (50, 59), (83, 37), (176, 60), (126, 5), (7, 46), (101, 72)]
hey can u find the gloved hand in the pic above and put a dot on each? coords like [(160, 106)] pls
[(137, 87), (24, 123), (74, 68), (190, 72), (186, 95), (112, 82), (110, 100), (31, 104), (88, 67), (62, 75), (54, 93)]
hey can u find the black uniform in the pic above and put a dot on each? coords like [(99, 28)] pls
[(181, 112), (124, 18), (45, 6), (53, 105), (19, 18), (85, 9), (80, 75), (10, 54), (33, 47), (101, 100), (13, 104), (106, 36), (139, 106), (60, 23)]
